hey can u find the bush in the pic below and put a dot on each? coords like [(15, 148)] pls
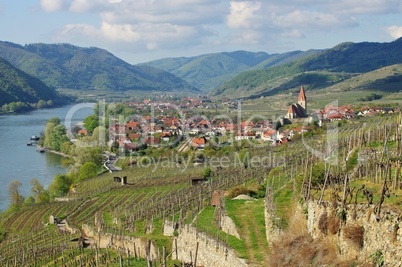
[(239, 190), (88, 170)]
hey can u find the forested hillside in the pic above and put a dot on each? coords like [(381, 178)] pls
[(17, 86), (72, 67), (343, 60)]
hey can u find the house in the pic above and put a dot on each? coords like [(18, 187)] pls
[(245, 136), (130, 147), (132, 125), (134, 136), (199, 142), (301, 129), (152, 141), (82, 132), (299, 109), (270, 135)]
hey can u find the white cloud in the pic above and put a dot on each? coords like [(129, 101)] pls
[(366, 7), (294, 34), (154, 25), (146, 35), (146, 24), (243, 14), (304, 18), (53, 5), (394, 31)]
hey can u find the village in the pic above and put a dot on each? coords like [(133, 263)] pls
[(171, 125)]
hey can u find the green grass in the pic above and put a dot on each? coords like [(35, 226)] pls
[(248, 216), (205, 223)]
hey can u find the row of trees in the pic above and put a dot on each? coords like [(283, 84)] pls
[(84, 161), (15, 107)]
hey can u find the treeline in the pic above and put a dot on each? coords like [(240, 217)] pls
[(83, 158), (16, 107), (370, 97)]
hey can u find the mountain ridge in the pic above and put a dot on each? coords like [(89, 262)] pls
[(18, 86), (73, 67), (344, 58), (209, 71)]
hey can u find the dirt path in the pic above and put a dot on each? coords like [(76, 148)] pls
[(252, 230)]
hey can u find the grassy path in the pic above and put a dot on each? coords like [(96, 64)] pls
[(249, 219)]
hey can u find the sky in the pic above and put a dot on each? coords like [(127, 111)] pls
[(143, 30)]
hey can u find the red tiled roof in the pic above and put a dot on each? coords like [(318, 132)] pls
[(134, 135), (83, 132), (132, 124), (292, 109), (152, 140), (199, 141)]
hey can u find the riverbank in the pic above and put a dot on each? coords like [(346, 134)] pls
[(15, 131), (29, 108), (38, 147)]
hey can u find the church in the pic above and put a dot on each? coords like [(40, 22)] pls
[(298, 110)]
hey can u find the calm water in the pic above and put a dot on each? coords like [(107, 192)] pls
[(22, 162)]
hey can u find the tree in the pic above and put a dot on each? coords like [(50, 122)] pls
[(88, 154), (66, 148), (14, 194), (57, 137), (60, 185), (29, 200), (41, 104), (88, 170), (100, 133), (39, 194), (49, 103), (48, 130), (91, 122)]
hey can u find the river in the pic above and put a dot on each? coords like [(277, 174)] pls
[(22, 162)]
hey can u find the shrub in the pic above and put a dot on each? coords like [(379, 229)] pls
[(238, 190)]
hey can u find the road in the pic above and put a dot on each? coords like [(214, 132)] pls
[(109, 163)]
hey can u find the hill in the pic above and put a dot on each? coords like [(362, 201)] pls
[(18, 86), (72, 67), (346, 59), (210, 71)]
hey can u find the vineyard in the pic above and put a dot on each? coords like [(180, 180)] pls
[(319, 167)]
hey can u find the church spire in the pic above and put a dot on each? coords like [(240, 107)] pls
[(302, 100), (302, 94)]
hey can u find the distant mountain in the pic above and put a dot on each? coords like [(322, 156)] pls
[(18, 86), (342, 60), (72, 67), (278, 59), (210, 71)]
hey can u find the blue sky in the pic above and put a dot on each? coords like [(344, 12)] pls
[(143, 30)]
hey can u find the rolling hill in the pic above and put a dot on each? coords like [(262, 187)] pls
[(72, 67), (210, 71), (318, 70), (17, 86)]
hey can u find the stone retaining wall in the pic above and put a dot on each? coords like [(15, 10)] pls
[(381, 234), (210, 251)]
